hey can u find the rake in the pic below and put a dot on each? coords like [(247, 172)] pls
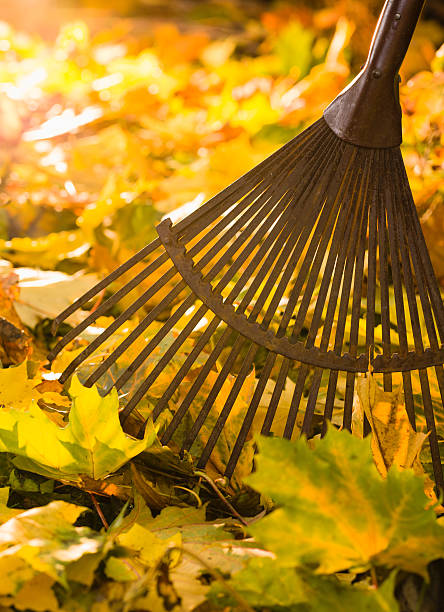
[(308, 270)]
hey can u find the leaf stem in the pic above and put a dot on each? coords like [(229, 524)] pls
[(374, 577), (99, 510)]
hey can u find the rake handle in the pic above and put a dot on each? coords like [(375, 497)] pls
[(392, 35), (367, 113)]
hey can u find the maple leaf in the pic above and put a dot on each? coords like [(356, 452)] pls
[(336, 510), (92, 444)]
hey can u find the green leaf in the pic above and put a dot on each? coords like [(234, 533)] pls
[(119, 569), (337, 512), (264, 584), (328, 594), (92, 444)]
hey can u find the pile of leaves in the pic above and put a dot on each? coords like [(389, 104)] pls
[(103, 133)]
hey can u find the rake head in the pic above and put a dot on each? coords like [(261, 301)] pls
[(298, 270), (308, 271)]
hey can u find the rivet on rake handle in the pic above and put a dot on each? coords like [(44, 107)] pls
[(284, 262)]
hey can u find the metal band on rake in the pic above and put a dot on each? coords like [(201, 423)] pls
[(299, 269)]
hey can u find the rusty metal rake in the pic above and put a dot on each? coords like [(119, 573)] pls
[(299, 269)]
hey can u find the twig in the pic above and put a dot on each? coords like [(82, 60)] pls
[(222, 498)]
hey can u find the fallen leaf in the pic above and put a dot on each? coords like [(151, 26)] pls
[(92, 443), (318, 494), (394, 441), (44, 540)]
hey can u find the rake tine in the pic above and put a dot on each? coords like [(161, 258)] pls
[(383, 276), (410, 210), (351, 239), (329, 400), (251, 412), (359, 253), (154, 313), (214, 392), (127, 265), (105, 306), (423, 282), (223, 416), (371, 274), (295, 401), (284, 156), (341, 233), (311, 402), (431, 426), (277, 392), (394, 240), (246, 366), (144, 387), (419, 347), (227, 277)]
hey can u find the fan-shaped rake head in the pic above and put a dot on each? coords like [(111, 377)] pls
[(308, 271), (302, 271)]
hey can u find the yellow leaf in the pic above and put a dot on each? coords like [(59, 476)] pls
[(46, 251), (18, 391), (147, 545), (394, 441), (83, 570), (5, 512), (45, 293), (93, 443), (37, 595)]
